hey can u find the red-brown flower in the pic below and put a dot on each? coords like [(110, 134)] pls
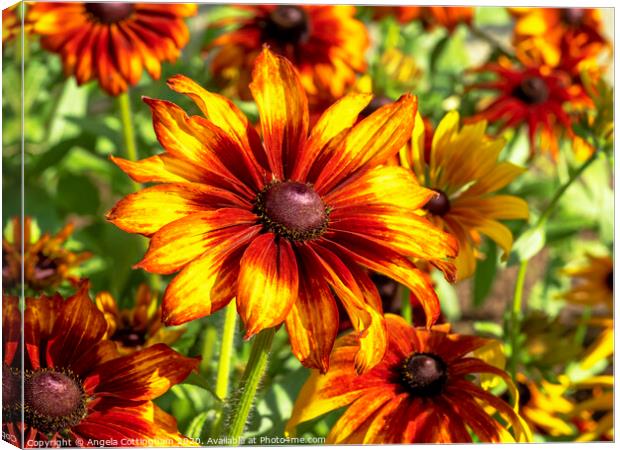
[(111, 41), (535, 97), (324, 42), (448, 17), (284, 223), (421, 392), (77, 387)]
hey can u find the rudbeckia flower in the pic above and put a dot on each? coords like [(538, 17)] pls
[(76, 386), (421, 392), (139, 326), (448, 17), (593, 282), (324, 42), (597, 405), (47, 262), (544, 406), (284, 224), (535, 97), (111, 41), (549, 35), (11, 23), (462, 169)]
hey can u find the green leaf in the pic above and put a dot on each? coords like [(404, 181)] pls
[(528, 245), (446, 292), (196, 380), (437, 51), (485, 274), (194, 429)]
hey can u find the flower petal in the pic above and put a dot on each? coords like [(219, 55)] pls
[(79, 327), (283, 109), (149, 209), (337, 118), (312, 322), (183, 240), (143, 375), (206, 284), (369, 143), (268, 283), (162, 168)]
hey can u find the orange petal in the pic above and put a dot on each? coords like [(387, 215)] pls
[(268, 283), (358, 412), (183, 240), (143, 375), (385, 185), (78, 328), (224, 114), (370, 143), (283, 109), (162, 168), (206, 284), (149, 209), (337, 118), (312, 322)]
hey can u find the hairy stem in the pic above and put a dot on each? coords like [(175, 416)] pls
[(250, 380)]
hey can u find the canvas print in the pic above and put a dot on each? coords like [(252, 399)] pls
[(305, 224)]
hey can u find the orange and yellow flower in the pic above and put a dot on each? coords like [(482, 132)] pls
[(11, 23), (593, 282), (448, 17), (111, 42), (47, 262), (545, 406), (595, 413), (284, 223), (324, 42), (421, 392), (461, 168), (77, 387), (138, 327), (535, 97), (552, 36)]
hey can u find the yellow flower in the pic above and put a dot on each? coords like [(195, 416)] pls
[(597, 408), (593, 283), (461, 167)]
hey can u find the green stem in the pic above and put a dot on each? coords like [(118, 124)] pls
[(517, 302), (515, 318), (226, 352), (405, 307), (250, 380), (129, 137)]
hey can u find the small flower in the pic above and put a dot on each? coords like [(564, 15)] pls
[(448, 17), (325, 43), (593, 282), (461, 168), (594, 408), (551, 35), (77, 387), (47, 262), (421, 392), (11, 23), (138, 327), (284, 223), (544, 406), (535, 97), (111, 41)]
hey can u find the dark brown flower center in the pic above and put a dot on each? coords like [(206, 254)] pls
[(292, 210), (532, 90), (110, 12), (288, 24), (376, 103), (573, 16), (129, 337), (439, 204), (387, 290), (424, 374), (609, 280), (53, 400), (11, 392), (525, 395), (45, 266)]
